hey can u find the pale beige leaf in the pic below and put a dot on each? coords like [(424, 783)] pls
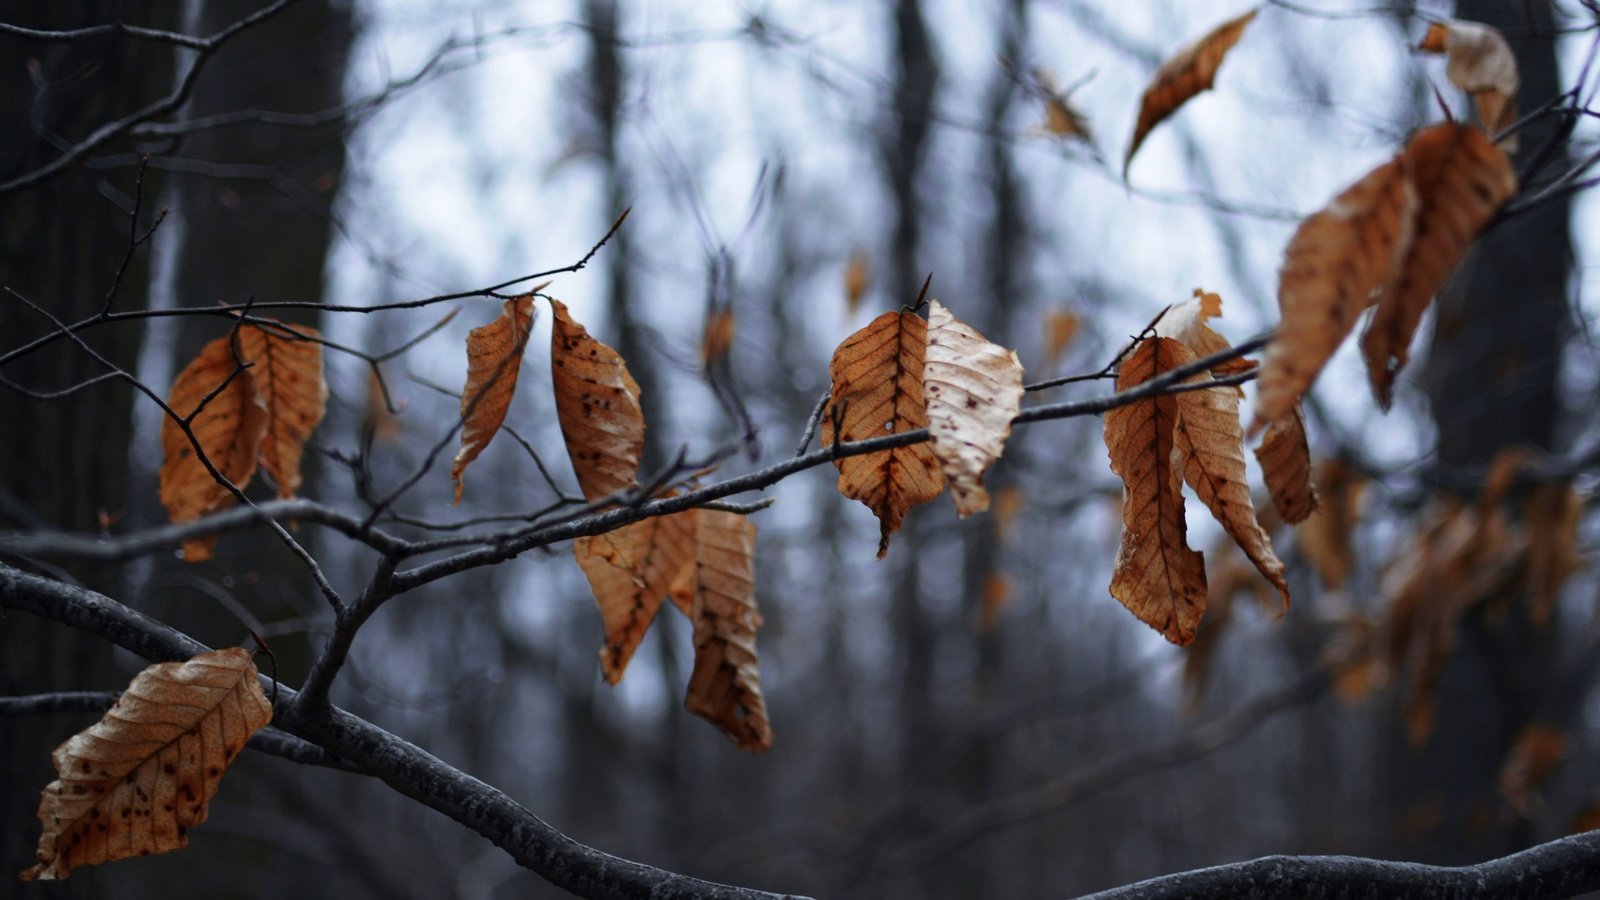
[(1285, 458), (135, 782), (1061, 118), (597, 402), (1336, 265), (1461, 181), (973, 390), (877, 390), (630, 571), (229, 430), (494, 358), (1186, 322), (1188, 72), (1157, 577), (286, 371), (1481, 63), (725, 687), (1210, 440)]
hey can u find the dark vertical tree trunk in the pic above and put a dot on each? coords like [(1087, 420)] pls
[(66, 460), (1491, 378)]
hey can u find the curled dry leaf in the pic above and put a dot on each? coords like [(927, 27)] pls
[(1481, 63), (877, 390), (630, 570), (1157, 577), (597, 402), (1186, 322), (1461, 181), (1336, 264), (286, 372), (494, 358), (135, 782), (1285, 459), (725, 687), (1188, 72), (973, 390), (229, 429)]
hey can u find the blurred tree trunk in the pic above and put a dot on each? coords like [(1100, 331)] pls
[(1491, 378), (66, 459)]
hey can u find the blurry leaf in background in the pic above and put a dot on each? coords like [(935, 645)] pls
[(877, 391), (856, 274), (1480, 62), (717, 339), (1060, 327), (1538, 750), (135, 782), (1324, 537), (1188, 72)]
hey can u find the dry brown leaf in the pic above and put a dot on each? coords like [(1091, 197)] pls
[(993, 601), (1551, 514), (1336, 264), (1061, 118), (1188, 72), (1060, 327), (630, 571), (855, 281), (1285, 459), (1210, 440), (1324, 537), (877, 390), (1157, 577), (379, 418), (1482, 64), (1007, 503), (1587, 819), (725, 687), (597, 402), (229, 431), (135, 782), (287, 375), (1539, 748), (494, 357), (1461, 181), (973, 390), (718, 337), (1186, 322)]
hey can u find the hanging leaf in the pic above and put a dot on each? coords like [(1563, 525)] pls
[(1061, 118), (494, 357), (718, 337), (725, 687), (1157, 577), (974, 390), (1285, 460), (287, 375), (1481, 63), (597, 402), (229, 430), (993, 601), (1007, 502), (1210, 440), (135, 782), (1324, 537), (1060, 327), (1461, 181), (1335, 266), (379, 418), (877, 390), (1551, 512), (855, 281), (1190, 71), (1538, 750), (1186, 322), (630, 571)]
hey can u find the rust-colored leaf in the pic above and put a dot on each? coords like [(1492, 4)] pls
[(1336, 264), (1060, 327), (135, 782), (1481, 63), (1324, 537), (1157, 577), (877, 390), (1551, 514), (718, 337), (597, 402), (856, 273), (993, 601), (1007, 503), (1210, 440), (1188, 72), (1461, 181), (494, 357), (286, 372), (725, 687), (973, 390), (630, 571), (1285, 459), (229, 429), (1534, 756)]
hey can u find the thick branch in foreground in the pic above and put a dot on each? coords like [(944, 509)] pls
[(1561, 868), (412, 771)]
